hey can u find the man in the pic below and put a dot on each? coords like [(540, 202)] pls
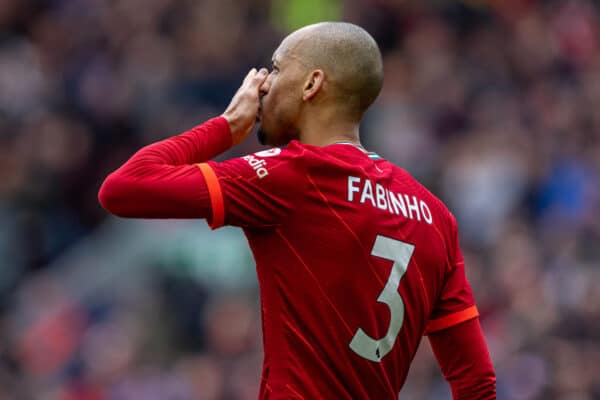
[(355, 259)]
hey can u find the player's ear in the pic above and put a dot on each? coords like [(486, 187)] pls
[(313, 84)]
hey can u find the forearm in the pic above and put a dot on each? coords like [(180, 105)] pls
[(464, 359), (161, 180), (199, 144)]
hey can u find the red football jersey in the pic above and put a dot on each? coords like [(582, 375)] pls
[(355, 260)]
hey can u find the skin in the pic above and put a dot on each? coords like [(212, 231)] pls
[(296, 100)]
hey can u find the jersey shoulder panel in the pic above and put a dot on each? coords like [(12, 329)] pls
[(446, 219), (261, 188)]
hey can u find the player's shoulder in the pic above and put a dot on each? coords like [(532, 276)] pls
[(267, 165), (437, 205), (294, 155), (288, 154)]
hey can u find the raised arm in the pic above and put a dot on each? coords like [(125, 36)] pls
[(162, 180), (464, 359)]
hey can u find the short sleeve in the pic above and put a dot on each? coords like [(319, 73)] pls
[(456, 303), (256, 190)]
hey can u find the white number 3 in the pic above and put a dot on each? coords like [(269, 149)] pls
[(400, 253)]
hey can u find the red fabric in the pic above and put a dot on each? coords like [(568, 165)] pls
[(456, 289), (452, 319), (335, 256), (160, 180), (464, 359), (319, 280), (216, 196)]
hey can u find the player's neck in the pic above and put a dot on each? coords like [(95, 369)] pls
[(323, 132)]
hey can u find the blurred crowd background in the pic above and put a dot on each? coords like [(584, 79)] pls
[(494, 105)]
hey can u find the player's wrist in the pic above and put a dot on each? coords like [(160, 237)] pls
[(236, 128)]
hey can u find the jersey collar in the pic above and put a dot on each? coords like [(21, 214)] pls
[(370, 154)]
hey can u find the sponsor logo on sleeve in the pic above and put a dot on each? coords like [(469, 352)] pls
[(258, 164)]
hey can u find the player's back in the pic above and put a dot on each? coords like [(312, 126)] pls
[(355, 275)]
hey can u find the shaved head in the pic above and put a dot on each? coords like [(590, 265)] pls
[(323, 79), (349, 57)]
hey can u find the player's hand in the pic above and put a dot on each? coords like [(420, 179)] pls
[(243, 109)]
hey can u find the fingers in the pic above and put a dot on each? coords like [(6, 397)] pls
[(260, 77), (249, 77), (242, 110), (255, 78)]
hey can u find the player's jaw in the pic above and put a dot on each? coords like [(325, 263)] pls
[(267, 134), (262, 135), (279, 109), (274, 128), (269, 114)]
